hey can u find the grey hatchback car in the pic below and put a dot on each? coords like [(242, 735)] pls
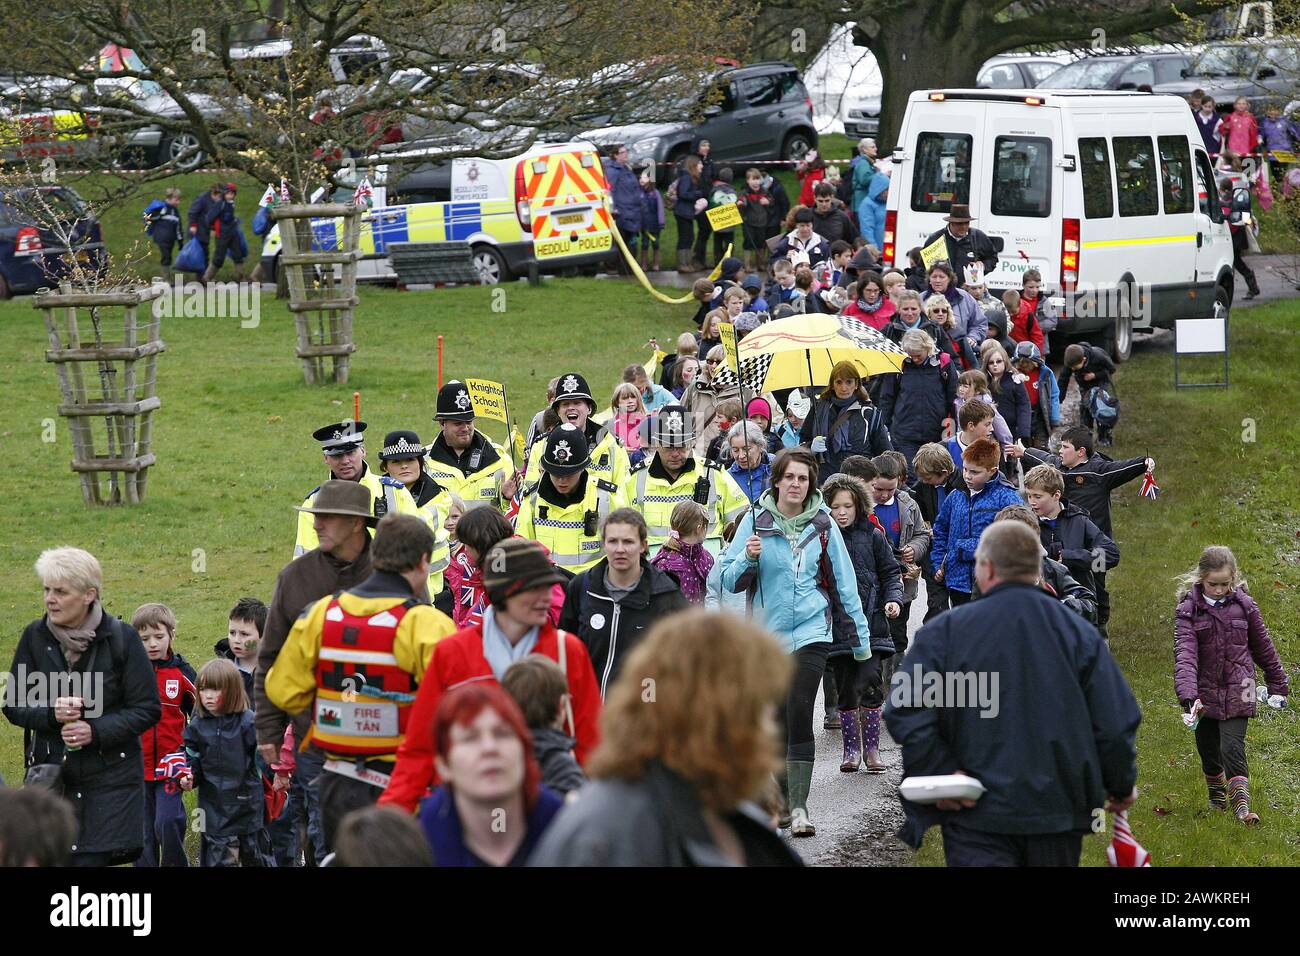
[(761, 111)]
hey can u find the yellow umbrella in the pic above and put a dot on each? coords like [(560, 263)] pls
[(801, 351)]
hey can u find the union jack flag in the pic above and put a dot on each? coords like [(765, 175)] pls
[(1149, 487), (171, 768), (284, 189), (364, 194), (1124, 849)]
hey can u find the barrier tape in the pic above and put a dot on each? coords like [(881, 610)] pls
[(641, 276)]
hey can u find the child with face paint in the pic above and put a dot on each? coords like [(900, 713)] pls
[(221, 744)]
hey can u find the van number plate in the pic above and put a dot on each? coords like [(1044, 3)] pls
[(569, 218)]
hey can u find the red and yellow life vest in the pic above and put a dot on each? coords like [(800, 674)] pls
[(363, 699)]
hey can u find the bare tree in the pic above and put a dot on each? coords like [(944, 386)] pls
[(341, 77)]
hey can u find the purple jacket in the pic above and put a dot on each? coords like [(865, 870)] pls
[(1216, 650), (1280, 133), (690, 564)]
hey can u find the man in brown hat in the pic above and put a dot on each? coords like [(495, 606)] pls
[(341, 519), (966, 245)]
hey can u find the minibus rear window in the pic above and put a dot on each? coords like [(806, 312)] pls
[(1175, 173), (1094, 162), (942, 174), (1135, 174), (1022, 176)]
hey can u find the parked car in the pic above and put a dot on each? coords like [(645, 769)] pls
[(1119, 72), (863, 117), (760, 112), (1018, 72), (32, 256), (1264, 71)]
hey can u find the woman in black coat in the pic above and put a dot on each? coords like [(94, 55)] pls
[(843, 422), (859, 685), (102, 695), (691, 188)]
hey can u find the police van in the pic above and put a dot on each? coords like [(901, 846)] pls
[(1109, 195), (545, 210)]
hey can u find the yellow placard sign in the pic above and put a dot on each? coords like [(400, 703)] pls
[(1285, 156), (724, 217), (727, 332), (934, 252), (489, 399)]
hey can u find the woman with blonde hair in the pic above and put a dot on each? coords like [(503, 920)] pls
[(86, 746), (672, 784), (1007, 388)]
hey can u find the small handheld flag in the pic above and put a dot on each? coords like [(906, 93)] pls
[(284, 189), (1124, 849), (1149, 487), (171, 768), (268, 197), (363, 196)]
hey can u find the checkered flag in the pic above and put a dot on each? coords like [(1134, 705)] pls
[(753, 373), (865, 337)]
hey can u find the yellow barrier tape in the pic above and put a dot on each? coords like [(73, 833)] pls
[(636, 271)]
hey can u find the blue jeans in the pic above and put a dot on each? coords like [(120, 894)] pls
[(164, 827), (311, 763)]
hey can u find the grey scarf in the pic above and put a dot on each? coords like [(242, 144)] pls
[(498, 650), (75, 640)]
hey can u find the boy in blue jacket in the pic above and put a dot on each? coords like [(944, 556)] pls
[(162, 224), (963, 518)]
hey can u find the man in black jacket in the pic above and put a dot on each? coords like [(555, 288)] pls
[(965, 244), (829, 219), (610, 606), (1053, 750), (1055, 579), (203, 213)]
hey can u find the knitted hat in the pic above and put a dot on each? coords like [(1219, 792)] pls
[(730, 266), (515, 565), (758, 406)]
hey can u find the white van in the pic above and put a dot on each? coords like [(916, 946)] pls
[(1115, 187)]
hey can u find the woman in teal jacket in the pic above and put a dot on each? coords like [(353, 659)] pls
[(788, 550)]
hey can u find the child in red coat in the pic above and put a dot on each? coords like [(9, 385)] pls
[(164, 811)]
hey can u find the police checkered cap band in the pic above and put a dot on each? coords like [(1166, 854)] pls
[(403, 447)]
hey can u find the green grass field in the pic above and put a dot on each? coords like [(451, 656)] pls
[(235, 455)]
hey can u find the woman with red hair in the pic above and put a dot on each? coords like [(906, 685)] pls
[(491, 782)]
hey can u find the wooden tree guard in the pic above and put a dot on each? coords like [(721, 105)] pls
[(125, 396), (321, 305)]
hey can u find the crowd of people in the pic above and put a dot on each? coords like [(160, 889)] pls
[(454, 664)]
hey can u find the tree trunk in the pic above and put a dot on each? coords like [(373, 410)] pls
[(917, 50)]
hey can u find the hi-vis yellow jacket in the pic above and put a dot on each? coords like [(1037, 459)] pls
[(475, 476), (570, 531), (608, 458), (650, 491), (291, 683), (390, 492)]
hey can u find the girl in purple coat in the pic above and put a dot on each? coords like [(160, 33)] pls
[(1219, 638), (683, 555)]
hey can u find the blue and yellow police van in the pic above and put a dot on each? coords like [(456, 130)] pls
[(546, 210)]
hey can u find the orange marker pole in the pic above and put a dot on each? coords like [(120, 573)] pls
[(440, 361), (356, 406)]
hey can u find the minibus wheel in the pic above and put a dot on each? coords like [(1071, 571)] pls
[(1119, 340)]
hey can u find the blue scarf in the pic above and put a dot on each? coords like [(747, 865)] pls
[(498, 650)]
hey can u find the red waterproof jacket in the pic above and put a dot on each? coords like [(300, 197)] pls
[(459, 659), (176, 680)]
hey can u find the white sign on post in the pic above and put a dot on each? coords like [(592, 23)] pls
[(1200, 336)]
